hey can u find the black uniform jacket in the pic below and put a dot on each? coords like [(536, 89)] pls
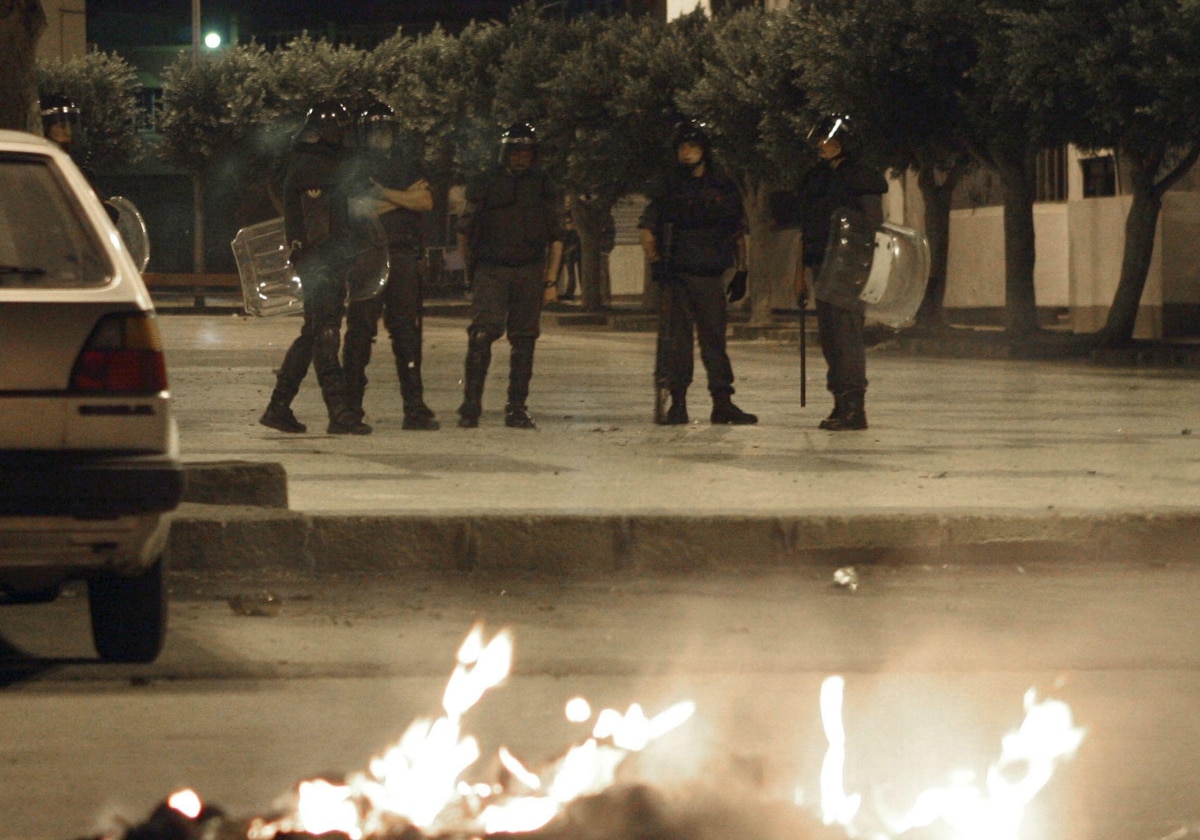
[(404, 227), (827, 188), (511, 218), (316, 193), (697, 220)]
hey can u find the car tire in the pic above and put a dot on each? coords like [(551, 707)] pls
[(129, 614)]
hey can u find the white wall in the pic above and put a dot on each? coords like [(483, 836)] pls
[(975, 270), (65, 36)]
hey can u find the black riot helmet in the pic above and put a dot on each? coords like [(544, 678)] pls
[(696, 134), (377, 119), (518, 136), (59, 110), (691, 131), (837, 127), (328, 120)]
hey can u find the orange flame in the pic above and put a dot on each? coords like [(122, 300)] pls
[(418, 780), (992, 812)]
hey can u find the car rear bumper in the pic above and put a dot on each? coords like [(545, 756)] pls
[(88, 486)]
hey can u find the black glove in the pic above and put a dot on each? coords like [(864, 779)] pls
[(737, 287)]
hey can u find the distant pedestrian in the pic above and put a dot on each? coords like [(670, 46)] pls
[(397, 187), (571, 258), (317, 188), (837, 183), (511, 238), (693, 233)]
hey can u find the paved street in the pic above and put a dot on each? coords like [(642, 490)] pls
[(638, 563), (946, 434), (936, 660)]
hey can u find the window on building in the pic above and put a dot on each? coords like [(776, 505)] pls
[(1051, 174), (1099, 176)]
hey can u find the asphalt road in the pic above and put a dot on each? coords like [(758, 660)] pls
[(936, 659)]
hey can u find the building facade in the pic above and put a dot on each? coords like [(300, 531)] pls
[(65, 36)]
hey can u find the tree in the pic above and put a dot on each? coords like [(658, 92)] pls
[(749, 96), (1122, 76), (613, 108), (1005, 132), (21, 24), (229, 118), (105, 87)]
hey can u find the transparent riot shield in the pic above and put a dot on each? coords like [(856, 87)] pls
[(132, 228), (270, 286), (899, 273), (848, 257), (369, 262)]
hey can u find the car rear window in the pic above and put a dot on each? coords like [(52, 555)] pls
[(46, 240)]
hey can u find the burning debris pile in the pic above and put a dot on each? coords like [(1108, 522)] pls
[(416, 790)]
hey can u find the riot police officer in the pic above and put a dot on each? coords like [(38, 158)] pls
[(693, 231), (838, 182), (401, 195), (60, 120), (317, 188), (511, 239)]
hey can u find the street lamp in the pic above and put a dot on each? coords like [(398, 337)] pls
[(195, 31), (197, 184)]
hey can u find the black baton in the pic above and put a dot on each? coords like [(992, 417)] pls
[(803, 353)]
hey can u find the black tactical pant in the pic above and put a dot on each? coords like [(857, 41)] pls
[(400, 305), (505, 299), (317, 344), (698, 300), (842, 344)]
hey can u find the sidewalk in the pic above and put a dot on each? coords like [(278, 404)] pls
[(965, 459)]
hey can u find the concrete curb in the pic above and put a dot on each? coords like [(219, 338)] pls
[(244, 538)]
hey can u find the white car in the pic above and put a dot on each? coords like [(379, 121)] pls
[(89, 449)]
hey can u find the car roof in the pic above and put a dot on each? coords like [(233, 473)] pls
[(9, 138)]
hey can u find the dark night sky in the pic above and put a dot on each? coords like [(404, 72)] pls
[(116, 23)]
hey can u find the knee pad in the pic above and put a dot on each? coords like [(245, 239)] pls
[(483, 335)]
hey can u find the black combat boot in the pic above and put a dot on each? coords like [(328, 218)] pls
[(838, 408), (347, 422), (279, 416), (724, 412), (479, 357), (520, 371), (517, 417), (853, 416), (677, 413), (343, 418), (417, 415)]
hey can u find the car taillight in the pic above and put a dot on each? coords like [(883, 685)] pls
[(123, 354)]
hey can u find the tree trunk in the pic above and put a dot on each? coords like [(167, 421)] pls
[(589, 217), (1020, 249), (937, 185), (21, 25), (772, 260), (1141, 225)]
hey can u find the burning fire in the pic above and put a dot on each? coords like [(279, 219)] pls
[(991, 811), (418, 783)]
